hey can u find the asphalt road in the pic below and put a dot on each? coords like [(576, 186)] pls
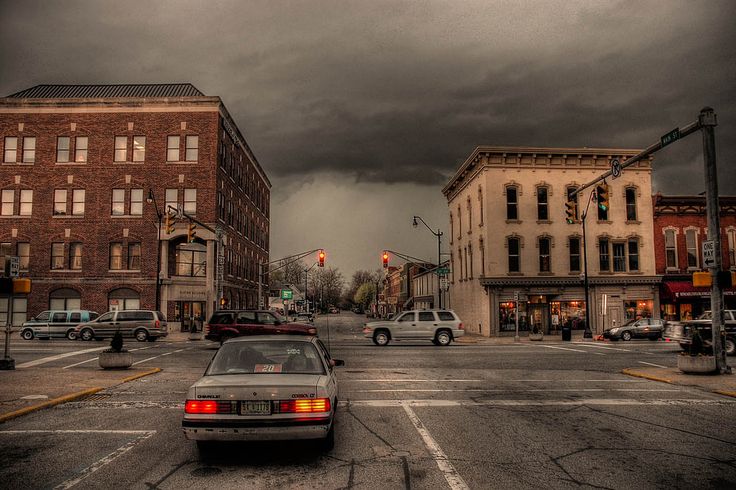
[(552, 415)]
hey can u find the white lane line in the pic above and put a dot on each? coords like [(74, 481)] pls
[(573, 350), (596, 346), (454, 480), (104, 461), (577, 380), (75, 431), (651, 364), (160, 355), (535, 403), (540, 390), (44, 360), (404, 380)]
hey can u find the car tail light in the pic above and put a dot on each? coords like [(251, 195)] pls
[(461, 326), (157, 324), (208, 407), (304, 405)]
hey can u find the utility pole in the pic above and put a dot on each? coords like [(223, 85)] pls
[(587, 333)]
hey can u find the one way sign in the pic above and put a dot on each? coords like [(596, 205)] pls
[(709, 254)]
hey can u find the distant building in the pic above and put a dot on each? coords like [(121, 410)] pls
[(509, 235), (680, 227), (86, 172), (425, 289)]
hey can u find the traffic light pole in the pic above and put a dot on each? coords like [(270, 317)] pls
[(290, 259)]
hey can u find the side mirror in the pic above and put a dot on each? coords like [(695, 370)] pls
[(337, 362)]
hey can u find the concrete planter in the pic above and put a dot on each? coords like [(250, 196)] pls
[(115, 360), (195, 335), (536, 336), (696, 364)]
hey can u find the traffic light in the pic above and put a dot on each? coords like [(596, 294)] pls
[(192, 231), (169, 224), (601, 192), (385, 259), (321, 258), (223, 302), (571, 211)]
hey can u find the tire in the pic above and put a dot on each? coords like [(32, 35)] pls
[(86, 334), (71, 335), (626, 336), (730, 346), (382, 338), (27, 334), (443, 338), (141, 335)]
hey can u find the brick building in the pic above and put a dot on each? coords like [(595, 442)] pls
[(680, 226), (88, 172)]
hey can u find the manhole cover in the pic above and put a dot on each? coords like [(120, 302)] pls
[(206, 471)]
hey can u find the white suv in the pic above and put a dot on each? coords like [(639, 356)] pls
[(439, 326)]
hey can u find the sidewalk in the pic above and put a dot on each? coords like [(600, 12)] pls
[(723, 384), (474, 338)]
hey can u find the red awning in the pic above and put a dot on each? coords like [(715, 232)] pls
[(685, 289)]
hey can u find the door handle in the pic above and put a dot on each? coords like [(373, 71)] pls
[(435, 324)]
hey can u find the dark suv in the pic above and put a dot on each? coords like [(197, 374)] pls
[(225, 324), (703, 325)]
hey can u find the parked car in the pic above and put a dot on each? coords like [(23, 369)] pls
[(704, 325), (271, 387), (643, 328), (673, 331), (55, 323), (140, 324), (439, 326), (304, 317), (334, 309), (226, 324)]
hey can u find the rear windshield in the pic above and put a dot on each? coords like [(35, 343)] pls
[(273, 357)]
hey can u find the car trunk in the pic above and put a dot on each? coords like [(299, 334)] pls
[(260, 387)]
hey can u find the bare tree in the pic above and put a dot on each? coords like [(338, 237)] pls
[(326, 284), (288, 273)]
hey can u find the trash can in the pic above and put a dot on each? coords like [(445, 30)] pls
[(567, 333)]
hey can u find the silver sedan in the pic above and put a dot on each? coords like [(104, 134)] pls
[(271, 387)]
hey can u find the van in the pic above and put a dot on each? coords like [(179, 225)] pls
[(55, 324), (140, 324)]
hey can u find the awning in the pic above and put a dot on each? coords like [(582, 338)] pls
[(685, 289)]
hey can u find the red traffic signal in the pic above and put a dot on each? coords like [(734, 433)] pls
[(385, 259), (321, 258)]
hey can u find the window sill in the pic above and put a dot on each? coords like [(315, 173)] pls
[(693, 269), (66, 271), (513, 221), (514, 273), (11, 216), (672, 270), (183, 162), (129, 163), (633, 222), (27, 164), (124, 216), (546, 273), (544, 222), (604, 221), (70, 164), (62, 216), (123, 271)]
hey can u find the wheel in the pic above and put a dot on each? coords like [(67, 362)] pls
[(730, 346), (71, 335), (328, 443), (26, 334), (86, 334), (443, 338), (381, 338), (626, 336), (141, 335)]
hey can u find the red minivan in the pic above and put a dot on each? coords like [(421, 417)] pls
[(225, 324)]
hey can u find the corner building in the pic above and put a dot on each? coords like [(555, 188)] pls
[(509, 236), (87, 175)]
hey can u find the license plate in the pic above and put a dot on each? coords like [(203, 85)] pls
[(261, 407)]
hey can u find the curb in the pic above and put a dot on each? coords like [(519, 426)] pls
[(70, 397), (726, 393), (646, 376)]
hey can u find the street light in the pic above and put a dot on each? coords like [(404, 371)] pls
[(438, 234), (151, 199)]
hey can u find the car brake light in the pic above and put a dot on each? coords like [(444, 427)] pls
[(208, 407), (304, 405), (461, 327)]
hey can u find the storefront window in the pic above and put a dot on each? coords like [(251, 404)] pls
[(507, 316), (567, 313), (638, 309)]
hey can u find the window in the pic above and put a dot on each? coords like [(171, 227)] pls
[(136, 202), (190, 201), (512, 211), (459, 222), (78, 196), (29, 149), (544, 259), (574, 246), (172, 149), (513, 245), (426, 316), (5, 250), (406, 317), (670, 249), (59, 202), (470, 260), (731, 236), (139, 148), (57, 256), (172, 198), (691, 242), (62, 149), (542, 204), (470, 216), (26, 202), (11, 150), (123, 299), (75, 256), (619, 257), (630, 204), (633, 255), (121, 148), (480, 203), (7, 202), (572, 195), (80, 149), (134, 256), (482, 258), (24, 255), (192, 149), (116, 256), (604, 255), (191, 260), (452, 229), (118, 202)]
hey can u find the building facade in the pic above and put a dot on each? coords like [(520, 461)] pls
[(87, 177), (509, 239), (680, 227)]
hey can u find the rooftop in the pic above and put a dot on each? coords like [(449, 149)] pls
[(107, 91)]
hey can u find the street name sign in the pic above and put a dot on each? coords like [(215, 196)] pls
[(287, 294), (709, 254), (443, 271), (670, 137)]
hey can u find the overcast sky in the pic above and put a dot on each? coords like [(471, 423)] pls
[(361, 111)]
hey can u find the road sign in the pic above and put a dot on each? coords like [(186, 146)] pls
[(709, 254), (443, 271), (670, 137), (516, 296), (444, 284), (287, 294), (615, 168), (12, 267)]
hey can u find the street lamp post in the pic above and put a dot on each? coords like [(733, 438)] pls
[(151, 199), (438, 234), (587, 333)]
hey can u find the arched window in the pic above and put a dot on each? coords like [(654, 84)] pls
[(630, 204), (65, 299), (123, 299)]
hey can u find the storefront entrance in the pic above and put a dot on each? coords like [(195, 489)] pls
[(539, 317), (190, 314)]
